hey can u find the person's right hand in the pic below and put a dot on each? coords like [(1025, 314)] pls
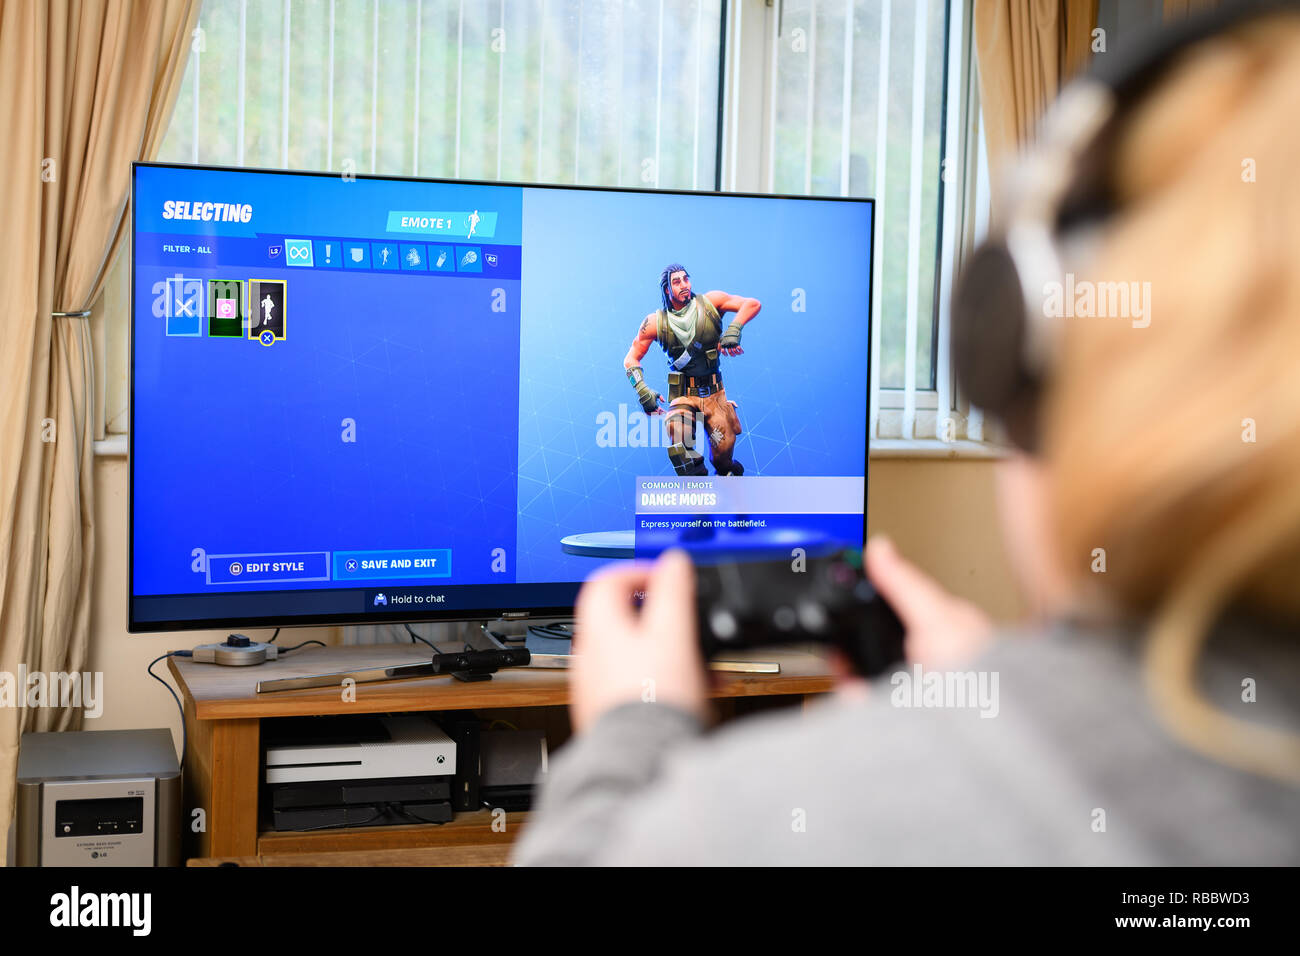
[(942, 631), (651, 401)]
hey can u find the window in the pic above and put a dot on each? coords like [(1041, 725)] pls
[(823, 97), (568, 91), (857, 110)]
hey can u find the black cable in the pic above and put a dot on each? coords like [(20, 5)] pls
[(403, 811), (286, 650), (416, 637), (337, 826), (274, 636), (179, 705), (559, 630)]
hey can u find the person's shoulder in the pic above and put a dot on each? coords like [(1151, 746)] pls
[(1004, 761)]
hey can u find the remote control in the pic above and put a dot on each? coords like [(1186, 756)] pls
[(823, 600)]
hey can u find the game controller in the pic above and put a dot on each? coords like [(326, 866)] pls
[(824, 600)]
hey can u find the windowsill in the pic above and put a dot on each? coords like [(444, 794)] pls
[(115, 446), (934, 448)]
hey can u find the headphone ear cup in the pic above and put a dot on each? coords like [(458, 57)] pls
[(988, 342)]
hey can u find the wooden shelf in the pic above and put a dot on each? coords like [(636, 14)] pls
[(223, 693), (223, 763), (467, 829)]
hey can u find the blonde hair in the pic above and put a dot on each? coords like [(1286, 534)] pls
[(1175, 447)]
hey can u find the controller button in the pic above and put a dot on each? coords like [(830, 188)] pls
[(724, 624), (812, 617), (784, 618)]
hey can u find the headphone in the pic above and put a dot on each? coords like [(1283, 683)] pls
[(1004, 341)]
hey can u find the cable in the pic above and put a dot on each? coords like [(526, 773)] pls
[(416, 637), (179, 705), (286, 650), (410, 814), (559, 630), (336, 826), (274, 636)]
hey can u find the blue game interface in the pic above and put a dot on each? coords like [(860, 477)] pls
[(356, 398)]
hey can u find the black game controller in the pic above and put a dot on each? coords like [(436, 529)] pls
[(823, 600)]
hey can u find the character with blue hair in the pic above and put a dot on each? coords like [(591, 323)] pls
[(689, 330)]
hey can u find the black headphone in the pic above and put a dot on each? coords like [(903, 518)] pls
[(1003, 339)]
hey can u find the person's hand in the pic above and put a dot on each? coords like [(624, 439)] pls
[(942, 631), (652, 402), (729, 344), (622, 655)]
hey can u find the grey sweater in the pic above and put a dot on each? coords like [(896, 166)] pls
[(1072, 769)]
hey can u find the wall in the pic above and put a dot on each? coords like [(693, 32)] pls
[(939, 512)]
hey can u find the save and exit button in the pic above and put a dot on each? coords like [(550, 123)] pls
[(366, 565)]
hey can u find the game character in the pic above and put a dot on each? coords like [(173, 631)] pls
[(689, 329)]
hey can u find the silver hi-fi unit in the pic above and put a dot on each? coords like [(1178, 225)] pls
[(98, 798)]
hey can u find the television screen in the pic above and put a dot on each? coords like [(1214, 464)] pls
[(360, 399)]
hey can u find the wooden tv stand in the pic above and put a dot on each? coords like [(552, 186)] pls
[(223, 762)]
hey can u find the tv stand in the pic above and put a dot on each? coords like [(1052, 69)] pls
[(223, 764)]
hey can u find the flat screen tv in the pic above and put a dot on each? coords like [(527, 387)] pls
[(360, 399)]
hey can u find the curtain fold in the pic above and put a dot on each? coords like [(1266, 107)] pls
[(1026, 50), (86, 87)]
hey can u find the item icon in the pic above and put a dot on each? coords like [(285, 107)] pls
[(267, 310), (469, 259), (441, 259), (329, 253), (297, 252), (225, 308), (356, 255), (380, 599), (412, 257), (183, 306)]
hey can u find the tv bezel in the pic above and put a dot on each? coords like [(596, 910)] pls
[(452, 615)]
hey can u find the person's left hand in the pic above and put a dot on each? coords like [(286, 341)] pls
[(623, 655)]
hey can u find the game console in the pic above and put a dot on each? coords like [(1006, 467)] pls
[(366, 747)]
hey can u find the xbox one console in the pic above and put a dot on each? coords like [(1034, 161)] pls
[(365, 747)]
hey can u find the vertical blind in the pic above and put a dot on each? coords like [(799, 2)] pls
[(859, 106), (610, 92)]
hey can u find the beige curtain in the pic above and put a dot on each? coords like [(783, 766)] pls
[(86, 87), (1026, 50)]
